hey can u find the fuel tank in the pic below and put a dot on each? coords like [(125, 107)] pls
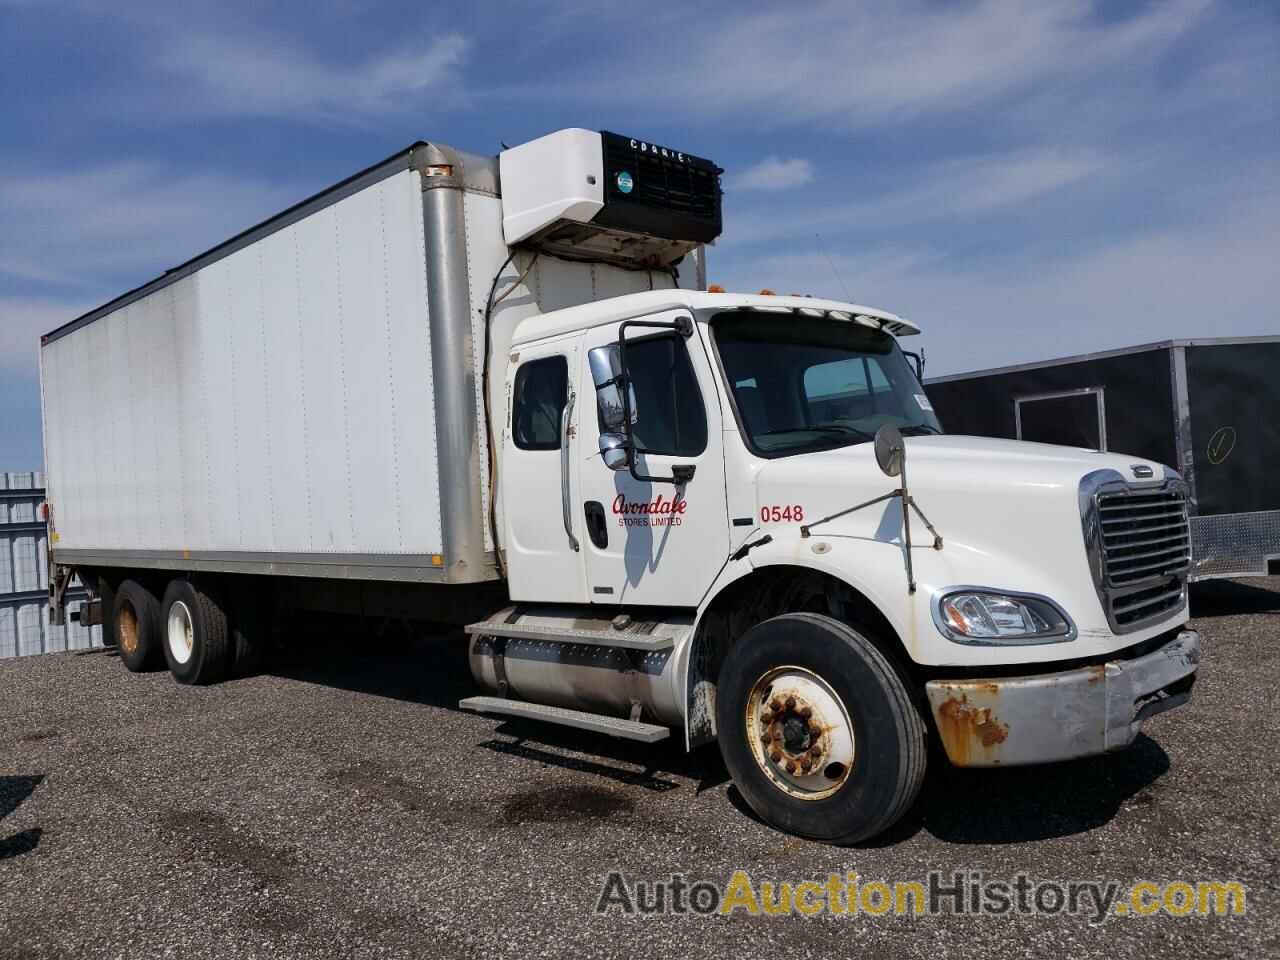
[(605, 666)]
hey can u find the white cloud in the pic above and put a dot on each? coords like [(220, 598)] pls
[(864, 64), (965, 187), (974, 185), (269, 77), (773, 173)]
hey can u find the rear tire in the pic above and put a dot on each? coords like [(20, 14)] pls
[(196, 635), (823, 694), (251, 620), (134, 625)]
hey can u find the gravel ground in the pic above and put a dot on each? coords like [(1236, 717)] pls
[(339, 805)]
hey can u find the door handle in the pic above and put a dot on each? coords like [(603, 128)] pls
[(597, 529), (565, 509)]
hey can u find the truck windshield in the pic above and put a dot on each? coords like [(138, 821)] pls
[(806, 383)]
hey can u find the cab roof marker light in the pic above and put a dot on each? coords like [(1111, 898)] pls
[(809, 311), (844, 315), (875, 323)]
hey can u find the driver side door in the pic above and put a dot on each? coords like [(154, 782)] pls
[(648, 541)]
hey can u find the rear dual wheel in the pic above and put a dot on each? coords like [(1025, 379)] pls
[(136, 627), (818, 730), (196, 633)]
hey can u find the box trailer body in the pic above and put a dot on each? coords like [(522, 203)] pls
[(305, 399), (1207, 405), (495, 392)]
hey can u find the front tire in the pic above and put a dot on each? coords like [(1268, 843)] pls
[(818, 730), (196, 636)]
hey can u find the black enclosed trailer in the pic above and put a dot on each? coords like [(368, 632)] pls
[(1211, 408)]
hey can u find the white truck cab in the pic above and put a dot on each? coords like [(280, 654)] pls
[(702, 451), (492, 391)]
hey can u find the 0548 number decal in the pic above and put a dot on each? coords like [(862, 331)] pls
[(791, 513)]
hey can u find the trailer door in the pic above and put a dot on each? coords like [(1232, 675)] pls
[(650, 542), (1072, 418)]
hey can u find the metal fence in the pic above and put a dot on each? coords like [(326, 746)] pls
[(24, 577)]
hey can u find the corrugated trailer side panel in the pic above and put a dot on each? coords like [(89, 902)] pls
[(277, 401)]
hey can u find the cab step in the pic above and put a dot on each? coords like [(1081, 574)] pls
[(595, 722), (606, 637)]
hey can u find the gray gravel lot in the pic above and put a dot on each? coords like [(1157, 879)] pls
[(340, 806)]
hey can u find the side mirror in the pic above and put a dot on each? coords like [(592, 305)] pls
[(890, 450), (606, 373), (615, 451), (917, 361)]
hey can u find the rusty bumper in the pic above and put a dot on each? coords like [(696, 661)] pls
[(1057, 716)]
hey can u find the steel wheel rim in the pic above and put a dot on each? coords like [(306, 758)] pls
[(794, 717), (127, 628), (180, 632)]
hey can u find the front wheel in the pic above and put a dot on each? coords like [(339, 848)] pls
[(818, 730)]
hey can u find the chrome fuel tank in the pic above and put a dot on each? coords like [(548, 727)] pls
[(589, 665)]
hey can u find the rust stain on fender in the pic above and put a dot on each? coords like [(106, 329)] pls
[(966, 728)]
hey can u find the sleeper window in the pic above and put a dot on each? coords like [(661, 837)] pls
[(540, 392)]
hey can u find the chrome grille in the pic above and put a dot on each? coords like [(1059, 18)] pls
[(1143, 542)]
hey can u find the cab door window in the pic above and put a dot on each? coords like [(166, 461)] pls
[(669, 416)]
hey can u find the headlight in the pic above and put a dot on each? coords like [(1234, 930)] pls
[(969, 615)]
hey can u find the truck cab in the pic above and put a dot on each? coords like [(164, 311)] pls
[(709, 469)]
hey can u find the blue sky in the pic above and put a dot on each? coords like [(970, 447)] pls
[(1025, 179)]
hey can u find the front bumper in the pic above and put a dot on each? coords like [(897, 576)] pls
[(1010, 721)]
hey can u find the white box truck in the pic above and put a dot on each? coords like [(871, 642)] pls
[(497, 391)]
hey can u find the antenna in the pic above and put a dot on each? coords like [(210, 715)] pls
[(830, 263)]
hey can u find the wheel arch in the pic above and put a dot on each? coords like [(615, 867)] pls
[(767, 591)]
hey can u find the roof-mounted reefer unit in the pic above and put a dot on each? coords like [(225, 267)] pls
[(601, 196)]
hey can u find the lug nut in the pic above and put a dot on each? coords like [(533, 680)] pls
[(805, 765), (791, 766), (776, 756), (766, 739), (805, 712), (815, 751), (777, 735), (814, 728), (791, 703), (776, 705), (766, 718)]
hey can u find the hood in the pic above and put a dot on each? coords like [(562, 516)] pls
[(1042, 459), (1008, 512), (955, 467)]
